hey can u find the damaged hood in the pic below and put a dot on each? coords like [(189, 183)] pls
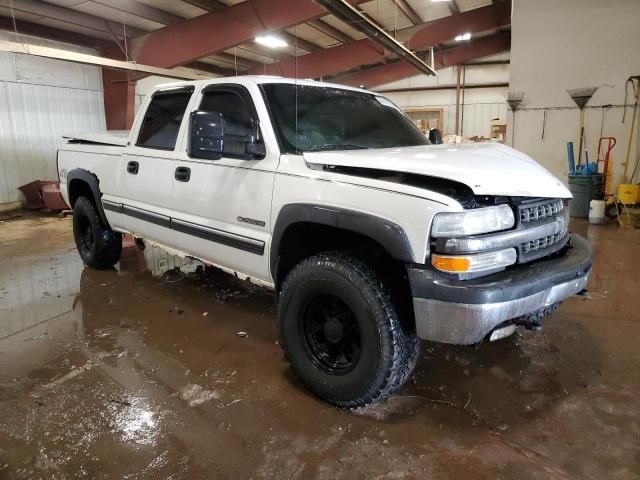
[(486, 168)]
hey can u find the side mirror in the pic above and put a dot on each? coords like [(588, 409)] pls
[(206, 135), (254, 146)]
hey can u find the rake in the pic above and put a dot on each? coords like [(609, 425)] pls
[(514, 99), (581, 96)]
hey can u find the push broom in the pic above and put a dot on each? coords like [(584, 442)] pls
[(514, 99), (581, 96)]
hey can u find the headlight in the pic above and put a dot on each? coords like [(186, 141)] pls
[(472, 222), (474, 263)]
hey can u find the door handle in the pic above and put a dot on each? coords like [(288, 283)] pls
[(183, 174), (132, 168)]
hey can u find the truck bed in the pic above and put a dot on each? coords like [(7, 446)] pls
[(118, 138)]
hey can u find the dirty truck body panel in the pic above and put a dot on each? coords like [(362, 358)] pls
[(470, 223)]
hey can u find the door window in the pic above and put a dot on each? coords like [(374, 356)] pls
[(162, 119), (238, 121)]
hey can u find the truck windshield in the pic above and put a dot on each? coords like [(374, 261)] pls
[(309, 118)]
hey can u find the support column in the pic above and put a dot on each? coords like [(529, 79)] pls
[(119, 99), (119, 93), (458, 73)]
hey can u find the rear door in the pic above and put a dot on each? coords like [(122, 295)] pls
[(222, 211), (147, 166)]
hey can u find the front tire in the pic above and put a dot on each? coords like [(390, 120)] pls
[(98, 245), (341, 332)]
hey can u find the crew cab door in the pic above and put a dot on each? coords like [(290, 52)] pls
[(147, 166), (222, 207)]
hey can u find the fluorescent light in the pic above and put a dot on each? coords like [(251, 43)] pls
[(271, 41), (463, 36)]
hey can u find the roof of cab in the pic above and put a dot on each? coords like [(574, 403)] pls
[(256, 80)]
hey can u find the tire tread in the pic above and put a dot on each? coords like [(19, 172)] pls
[(405, 345)]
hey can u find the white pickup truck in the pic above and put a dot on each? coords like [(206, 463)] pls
[(371, 237)]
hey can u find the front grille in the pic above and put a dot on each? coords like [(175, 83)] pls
[(542, 243), (540, 211), (535, 249)]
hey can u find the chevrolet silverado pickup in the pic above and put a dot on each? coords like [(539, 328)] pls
[(371, 237)]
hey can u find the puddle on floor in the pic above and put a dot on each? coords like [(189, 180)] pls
[(139, 372)]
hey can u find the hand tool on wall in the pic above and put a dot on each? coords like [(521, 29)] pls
[(581, 96), (633, 82), (605, 145), (514, 99)]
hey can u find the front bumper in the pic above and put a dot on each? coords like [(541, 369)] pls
[(465, 311)]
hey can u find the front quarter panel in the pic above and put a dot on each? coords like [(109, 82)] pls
[(297, 184)]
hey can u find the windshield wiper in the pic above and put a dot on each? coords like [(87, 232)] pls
[(337, 146)]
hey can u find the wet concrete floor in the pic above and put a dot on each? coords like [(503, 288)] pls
[(140, 373)]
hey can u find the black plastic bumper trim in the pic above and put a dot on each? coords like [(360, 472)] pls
[(516, 282), (224, 238), (147, 216), (229, 239), (112, 206)]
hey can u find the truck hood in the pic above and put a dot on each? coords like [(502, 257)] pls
[(486, 168)]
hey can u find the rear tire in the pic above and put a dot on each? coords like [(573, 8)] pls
[(341, 332), (98, 245)]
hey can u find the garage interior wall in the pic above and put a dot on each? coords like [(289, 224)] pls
[(40, 100), (480, 105), (559, 45)]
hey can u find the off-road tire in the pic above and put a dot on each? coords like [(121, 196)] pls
[(98, 245), (388, 352)]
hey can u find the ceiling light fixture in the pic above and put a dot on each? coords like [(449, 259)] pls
[(462, 37), (271, 41)]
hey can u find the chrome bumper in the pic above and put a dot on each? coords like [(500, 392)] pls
[(464, 312), (465, 323)]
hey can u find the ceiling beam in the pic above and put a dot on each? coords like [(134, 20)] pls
[(72, 18), (408, 11), (242, 62), (209, 5), (209, 68), (331, 61), (374, 76), (473, 21), (444, 87), (330, 31), (299, 42), (69, 56), (233, 26), (140, 10), (374, 32), (43, 31), (213, 5)]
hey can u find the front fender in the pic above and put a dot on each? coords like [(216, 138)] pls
[(388, 234)]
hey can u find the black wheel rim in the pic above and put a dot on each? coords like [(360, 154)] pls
[(86, 234), (331, 334)]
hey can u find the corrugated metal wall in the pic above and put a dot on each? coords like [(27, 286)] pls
[(40, 100)]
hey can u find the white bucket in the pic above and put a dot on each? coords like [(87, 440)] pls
[(596, 211)]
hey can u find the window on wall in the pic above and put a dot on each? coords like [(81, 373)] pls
[(238, 120), (162, 119)]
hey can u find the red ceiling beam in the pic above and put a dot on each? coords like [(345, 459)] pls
[(476, 20), (325, 61), (391, 72), (219, 30), (333, 60)]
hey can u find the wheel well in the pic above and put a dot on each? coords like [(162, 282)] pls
[(304, 239), (80, 188)]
